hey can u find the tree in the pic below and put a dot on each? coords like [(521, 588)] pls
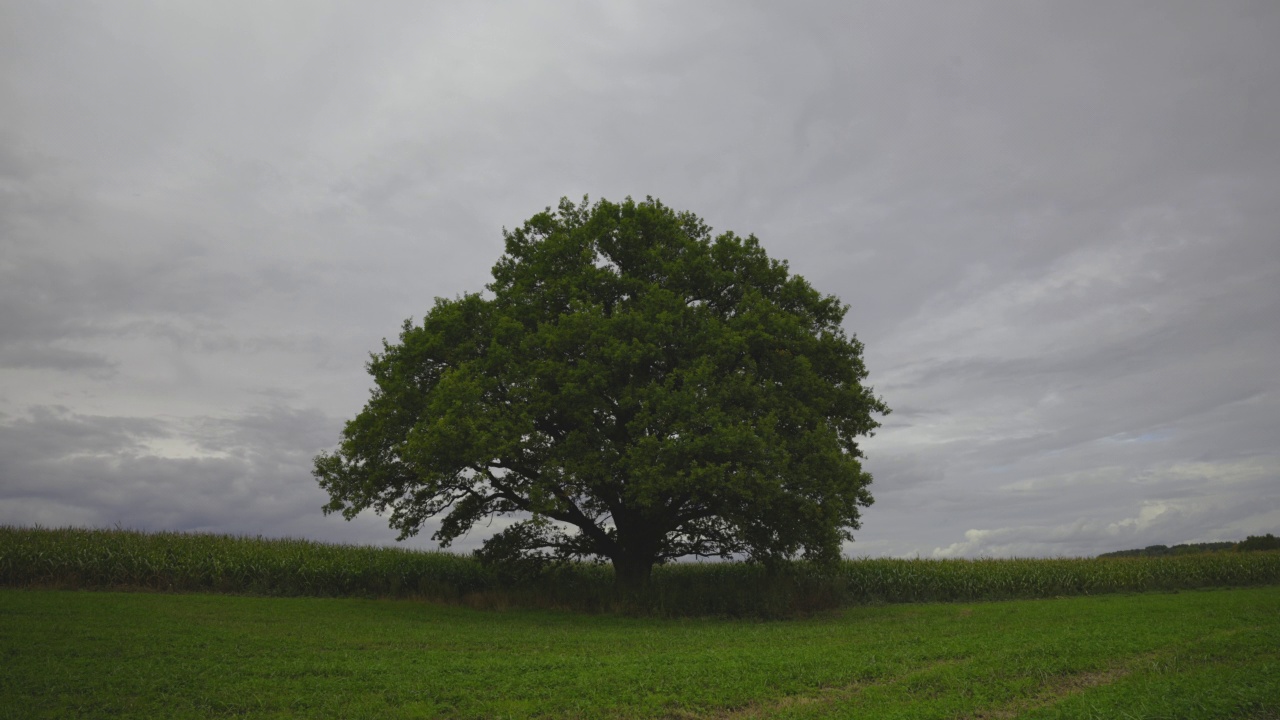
[(1259, 542), (633, 389)]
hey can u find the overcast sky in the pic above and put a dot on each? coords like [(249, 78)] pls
[(1057, 225)]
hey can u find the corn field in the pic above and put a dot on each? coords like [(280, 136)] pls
[(185, 562)]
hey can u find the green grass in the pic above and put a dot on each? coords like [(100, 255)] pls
[(120, 559), (1198, 654)]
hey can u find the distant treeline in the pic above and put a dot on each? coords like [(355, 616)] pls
[(74, 558), (1249, 544)]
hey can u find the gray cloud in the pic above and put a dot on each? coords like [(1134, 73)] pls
[(243, 475), (55, 358), (1055, 225)]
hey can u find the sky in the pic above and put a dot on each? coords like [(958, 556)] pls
[(1056, 224)]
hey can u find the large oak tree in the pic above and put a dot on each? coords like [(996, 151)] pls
[(630, 388)]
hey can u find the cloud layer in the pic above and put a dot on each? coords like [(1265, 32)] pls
[(1057, 227)]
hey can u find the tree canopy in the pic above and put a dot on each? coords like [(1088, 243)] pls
[(630, 388)]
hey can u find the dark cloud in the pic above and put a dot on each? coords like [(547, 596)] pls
[(243, 475)]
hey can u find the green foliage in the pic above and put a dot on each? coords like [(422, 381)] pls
[(103, 559), (1249, 544), (1191, 655), (188, 562), (1184, 549), (635, 388), (1259, 542), (892, 580)]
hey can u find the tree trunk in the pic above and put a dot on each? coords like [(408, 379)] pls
[(632, 573)]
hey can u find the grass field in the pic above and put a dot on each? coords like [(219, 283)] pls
[(1192, 654)]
